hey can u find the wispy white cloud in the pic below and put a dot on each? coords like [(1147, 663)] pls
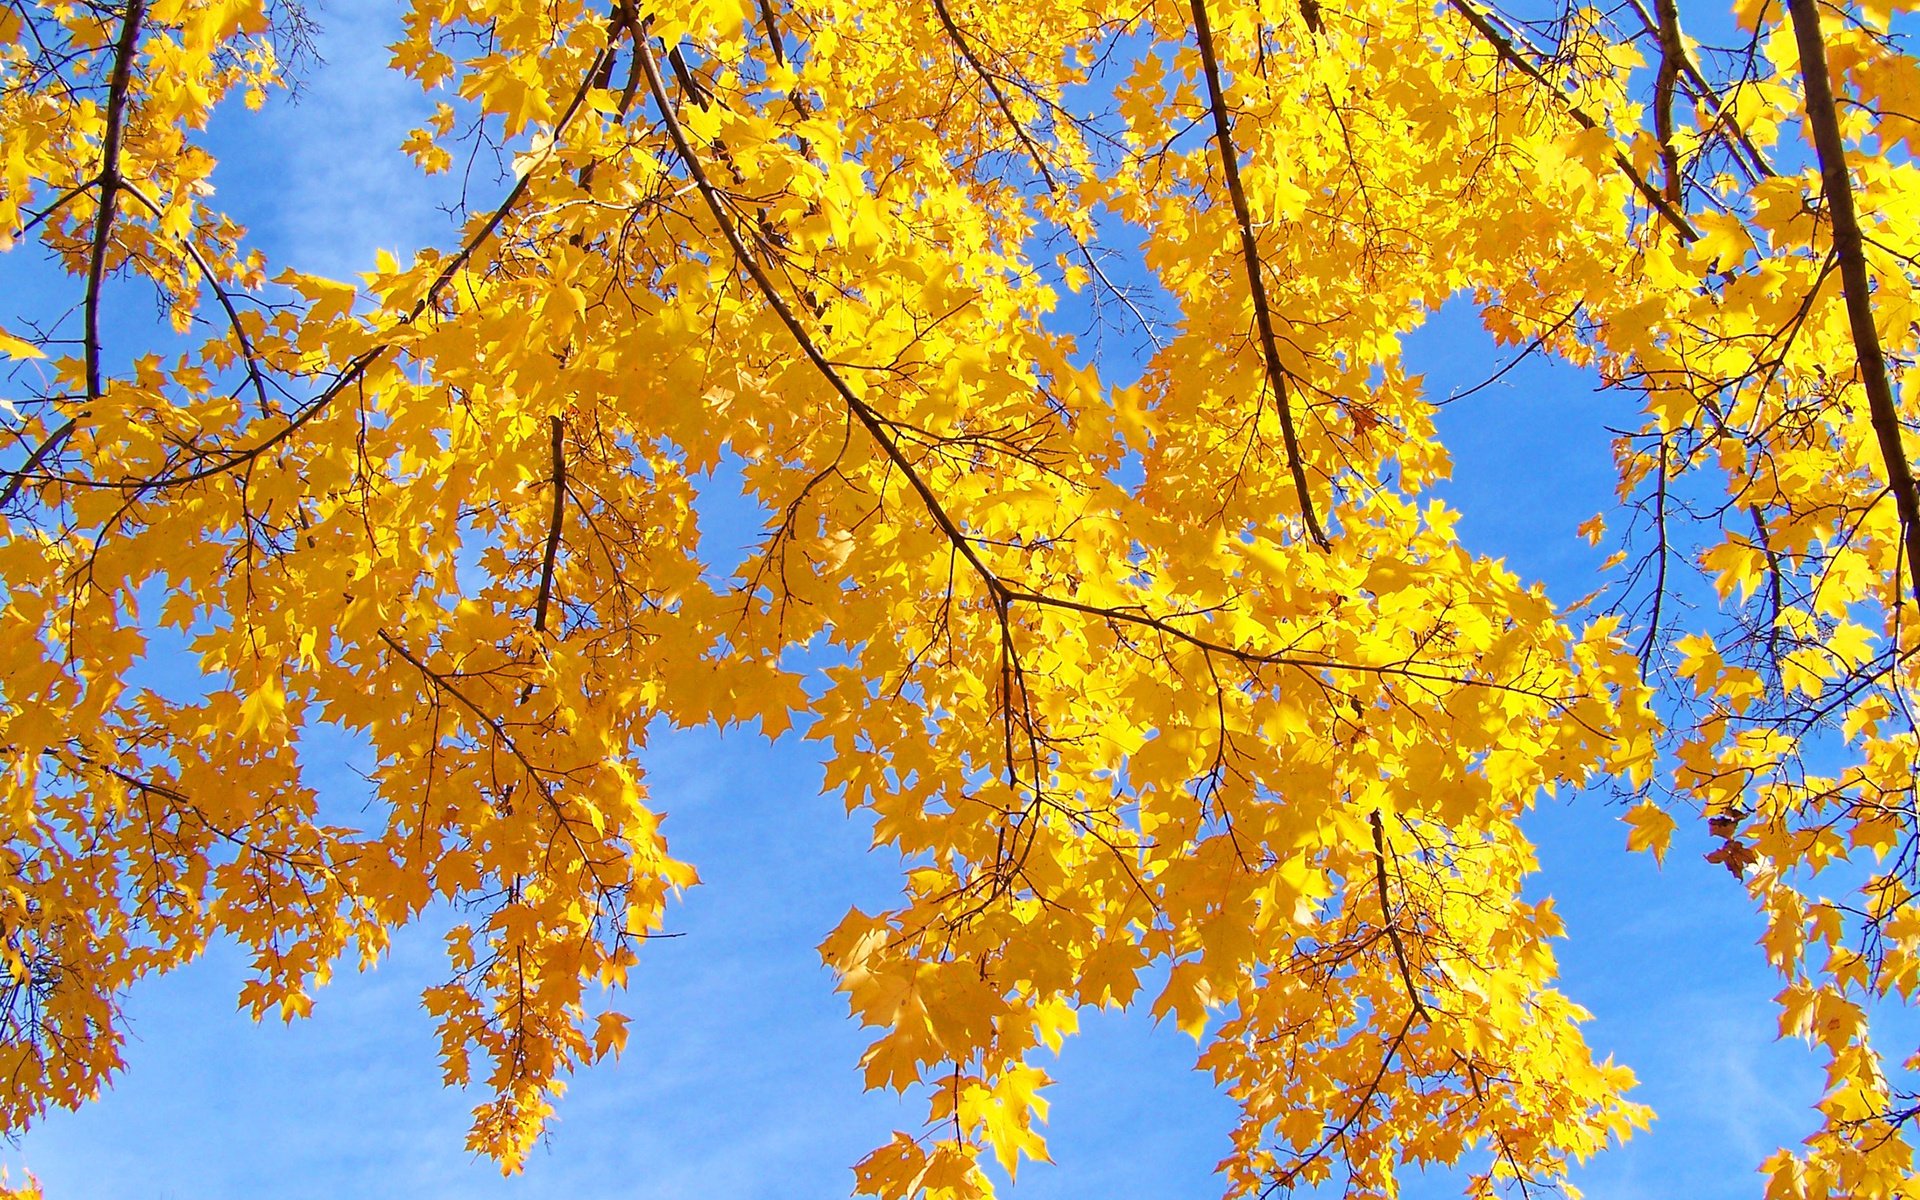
[(318, 175)]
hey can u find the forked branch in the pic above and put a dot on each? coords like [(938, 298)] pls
[(992, 83), (1003, 594), (1419, 1009), (1510, 54)]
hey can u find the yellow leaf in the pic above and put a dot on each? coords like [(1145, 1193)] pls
[(1649, 828), (13, 347), (609, 1034)]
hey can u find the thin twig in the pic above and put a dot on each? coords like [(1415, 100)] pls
[(1660, 563), (220, 292), (1538, 343)]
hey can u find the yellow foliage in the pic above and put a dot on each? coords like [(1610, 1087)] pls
[(1178, 675)]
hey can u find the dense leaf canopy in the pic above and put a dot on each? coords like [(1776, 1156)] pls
[(1158, 666)]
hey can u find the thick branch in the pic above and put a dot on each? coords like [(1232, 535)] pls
[(1856, 281), (553, 530), (1755, 163), (1672, 52), (771, 27), (117, 88), (1250, 250)]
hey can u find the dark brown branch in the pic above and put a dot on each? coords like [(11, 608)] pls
[(771, 27), (1775, 573), (496, 727), (1285, 1179), (1386, 918), (17, 479), (65, 198), (117, 88), (1662, 552), (993, 88), (1856, 281), (1510, 54), (992, 83), (684, 73), (1539, 342), (199, 260), (1003, 594), (1666, 78), (862, 412), (1755, 164), (559, 428), (1250, 251)]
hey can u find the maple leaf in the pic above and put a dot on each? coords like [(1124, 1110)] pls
[(1650, 828)]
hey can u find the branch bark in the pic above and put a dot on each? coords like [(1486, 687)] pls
[(1672, 53), (1419, 1009), (559, 428), (117, 87), (1250, 251), (1856, 281), (1753, 163)]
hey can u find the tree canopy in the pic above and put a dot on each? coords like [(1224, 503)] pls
[(1155, 661)]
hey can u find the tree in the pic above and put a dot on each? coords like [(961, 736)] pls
[(1170, 677)]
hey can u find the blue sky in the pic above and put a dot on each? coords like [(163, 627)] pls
[(740, 1079)]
